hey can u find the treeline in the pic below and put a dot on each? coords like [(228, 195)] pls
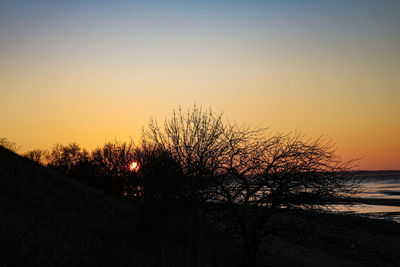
[(109, 168)]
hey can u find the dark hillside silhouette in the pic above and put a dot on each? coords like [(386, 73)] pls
[(49, 219)]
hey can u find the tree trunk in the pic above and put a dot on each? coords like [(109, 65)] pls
[(250, 251)]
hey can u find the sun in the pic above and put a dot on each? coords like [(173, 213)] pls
[(133, 166)]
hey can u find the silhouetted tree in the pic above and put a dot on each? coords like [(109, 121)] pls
[(261, 175), (4, 142), (66, 158), (54, 158), (160, 174), (111, 163), (194, 140), (251, 173), (36, 155)]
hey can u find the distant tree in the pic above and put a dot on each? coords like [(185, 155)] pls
[(160, 174), (54, 157), (114, 158), (111, 163), (66, 158), (4, 142), (84, 169), (36, 155)]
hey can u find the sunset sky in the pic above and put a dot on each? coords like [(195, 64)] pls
[(92, 71)]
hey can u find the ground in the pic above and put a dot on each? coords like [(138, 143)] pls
[(47, 219)]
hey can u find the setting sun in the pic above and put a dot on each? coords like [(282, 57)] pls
[(133, 166)]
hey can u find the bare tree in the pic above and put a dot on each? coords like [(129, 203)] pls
[(261, 175), (4, 142), (160, 174), (36, 155), (111, 164), (113, 158), (194, 139), (66, 158), (252, 174)]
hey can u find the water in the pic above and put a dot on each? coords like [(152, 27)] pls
[(381, 189)]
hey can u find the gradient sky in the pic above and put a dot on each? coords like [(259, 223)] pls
[(92, 71)]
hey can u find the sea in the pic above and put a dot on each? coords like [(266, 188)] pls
[(381, 189)]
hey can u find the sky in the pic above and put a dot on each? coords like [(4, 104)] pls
[(94, 71)]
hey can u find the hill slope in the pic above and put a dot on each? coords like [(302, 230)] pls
[(49, 219)]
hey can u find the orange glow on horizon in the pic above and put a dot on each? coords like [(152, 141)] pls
[(77, 72)]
